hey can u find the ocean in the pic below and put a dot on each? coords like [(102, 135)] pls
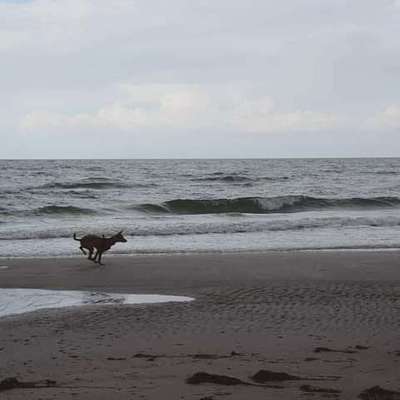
[(181, 206)]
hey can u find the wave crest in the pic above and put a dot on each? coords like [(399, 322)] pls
[(265, 205)]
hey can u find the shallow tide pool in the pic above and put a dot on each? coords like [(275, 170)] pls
[(18, 301)]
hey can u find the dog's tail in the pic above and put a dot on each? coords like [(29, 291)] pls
[(75, 238)]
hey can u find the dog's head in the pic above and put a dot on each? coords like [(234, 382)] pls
[(119, 238)]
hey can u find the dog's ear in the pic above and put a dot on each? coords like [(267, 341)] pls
[(120, 232)]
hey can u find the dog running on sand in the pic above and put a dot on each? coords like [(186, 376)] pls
[(101, 244)]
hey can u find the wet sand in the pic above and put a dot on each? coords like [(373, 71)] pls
[(329, 319)]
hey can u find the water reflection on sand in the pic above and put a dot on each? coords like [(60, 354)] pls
[(18, 301)]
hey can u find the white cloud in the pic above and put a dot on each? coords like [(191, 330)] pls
[(183, 107), (388, 118), (296, 121)]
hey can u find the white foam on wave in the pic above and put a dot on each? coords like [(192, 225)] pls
[(18, 301)]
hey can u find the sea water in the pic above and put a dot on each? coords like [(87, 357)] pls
[(175, 206)]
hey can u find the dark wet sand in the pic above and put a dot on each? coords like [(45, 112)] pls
[(252, 312)]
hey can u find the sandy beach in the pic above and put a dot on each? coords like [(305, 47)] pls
[(329, 319)]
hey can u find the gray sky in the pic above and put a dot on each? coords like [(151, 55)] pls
[(199, 78)]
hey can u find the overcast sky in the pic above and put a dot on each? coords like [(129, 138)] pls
[(199, 78)]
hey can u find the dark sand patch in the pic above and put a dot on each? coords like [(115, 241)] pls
[(14, 383), (263, 376), (360, 347), (316, 389), (204, 377), (378, 393), (329, 350)]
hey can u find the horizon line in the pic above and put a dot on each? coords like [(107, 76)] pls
[(200, 158)]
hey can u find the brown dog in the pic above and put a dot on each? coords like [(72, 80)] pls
[(101, 244)]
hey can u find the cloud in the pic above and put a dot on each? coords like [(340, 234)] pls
[(388, 118), (296, 121), (154, 71), (186, 107)]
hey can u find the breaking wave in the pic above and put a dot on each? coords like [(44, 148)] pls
[(230, 226), (265, 205)]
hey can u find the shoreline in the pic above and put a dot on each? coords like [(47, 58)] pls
[(213, 252), (156, 269), (265, 311)]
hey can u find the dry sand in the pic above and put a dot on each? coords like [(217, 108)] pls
[(278, 311)]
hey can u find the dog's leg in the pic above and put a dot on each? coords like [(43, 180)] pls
[(95, 256), (83, 251), (99, 258), (90, 256)]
